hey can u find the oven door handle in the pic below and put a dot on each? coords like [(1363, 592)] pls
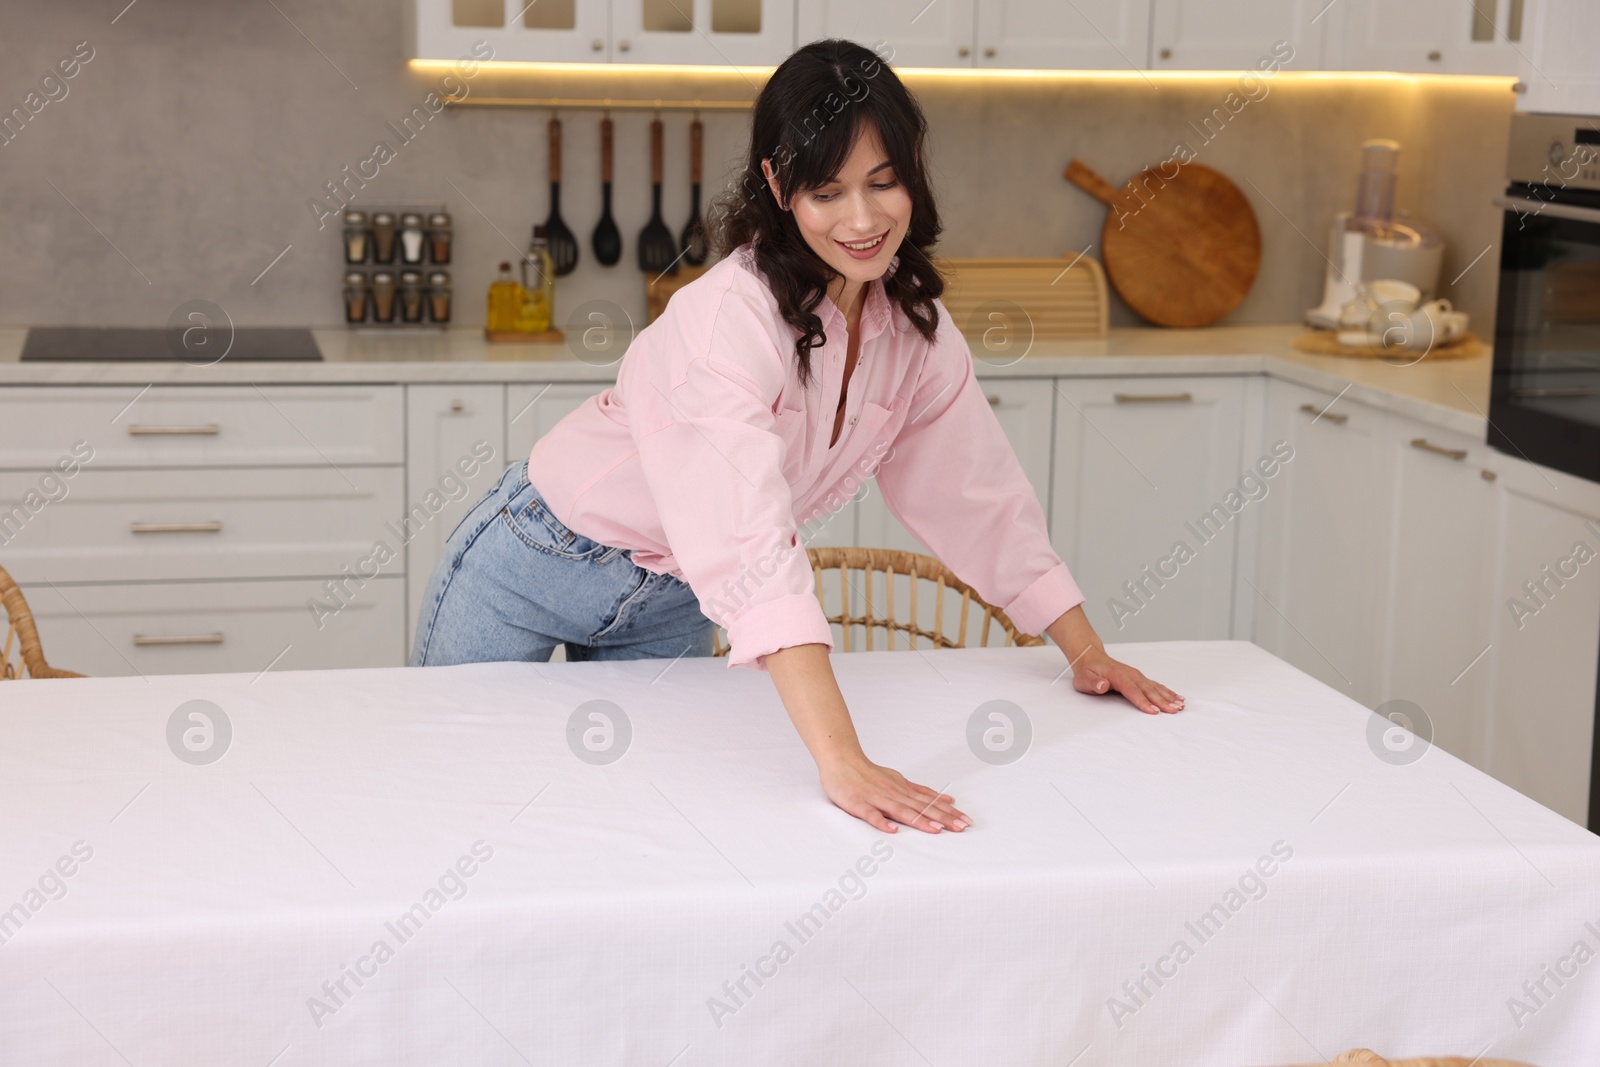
[(1524, 205)]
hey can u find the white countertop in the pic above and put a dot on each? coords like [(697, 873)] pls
[(1453, 394)]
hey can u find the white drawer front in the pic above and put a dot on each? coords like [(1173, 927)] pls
[(122, 526), (219, 627), (210, 426)]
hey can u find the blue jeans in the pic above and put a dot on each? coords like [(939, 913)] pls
[(513, 582)]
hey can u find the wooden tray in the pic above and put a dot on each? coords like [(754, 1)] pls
[(549, 337), (1062, 298), (1324, 343)]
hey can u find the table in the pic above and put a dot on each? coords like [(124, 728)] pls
[(461, 866)]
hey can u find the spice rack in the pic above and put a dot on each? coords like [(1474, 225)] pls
[(395, 260)]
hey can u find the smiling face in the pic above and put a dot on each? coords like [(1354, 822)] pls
[(856, 220)]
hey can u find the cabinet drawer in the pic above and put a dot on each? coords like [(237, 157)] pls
[(175, 426), (121, 526), (219, 627)]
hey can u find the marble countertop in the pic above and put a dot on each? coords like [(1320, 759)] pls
[(1453, 394)]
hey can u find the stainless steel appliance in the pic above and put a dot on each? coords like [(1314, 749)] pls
[(1545, 395), (1544, 400)]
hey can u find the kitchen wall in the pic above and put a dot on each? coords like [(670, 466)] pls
[(185, 153)]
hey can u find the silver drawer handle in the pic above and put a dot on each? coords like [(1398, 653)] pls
[(994, 401), (146, 640), (175, 527), (208, 429), (1312, 409), (1453, 453), (1152, 398)]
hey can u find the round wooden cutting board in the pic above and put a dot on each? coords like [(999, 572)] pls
[(1180, 251)]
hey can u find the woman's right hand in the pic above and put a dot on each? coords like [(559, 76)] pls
[(883, 797)]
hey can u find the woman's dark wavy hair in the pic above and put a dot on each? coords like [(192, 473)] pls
[(806, 121)]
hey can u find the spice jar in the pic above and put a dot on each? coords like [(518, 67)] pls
[(383, 296), (410, 238), (439, 296), (439, 231), (411, 296), (355, 296), (355, 236), (383, 237)]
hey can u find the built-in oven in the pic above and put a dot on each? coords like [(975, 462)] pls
[(1544, 399), (1544, 402)]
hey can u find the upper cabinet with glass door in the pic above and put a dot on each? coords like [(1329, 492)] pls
[(739, 33), (1409, 36)]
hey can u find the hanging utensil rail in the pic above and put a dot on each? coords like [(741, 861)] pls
[(559, 103)]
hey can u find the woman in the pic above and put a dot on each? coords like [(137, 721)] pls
[(816, 351)]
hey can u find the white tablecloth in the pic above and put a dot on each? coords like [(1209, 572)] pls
[(699, 901)]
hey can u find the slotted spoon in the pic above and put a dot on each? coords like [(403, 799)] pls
[(658, 252), (563, 246), (694, 234)]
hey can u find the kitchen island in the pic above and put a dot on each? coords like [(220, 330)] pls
[(608, 863)]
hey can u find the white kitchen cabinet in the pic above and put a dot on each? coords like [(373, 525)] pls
[(916, 33), (1426, 36), (202, 426), (550, 31), (455, 451), (153, 525), (1540, 737), (699, 32), (153, 628), (1049, 34), (1142, 467), (1436, 649), (1556, 61), (741, 33), (1322, 573), (531, 410), (1236, 34)]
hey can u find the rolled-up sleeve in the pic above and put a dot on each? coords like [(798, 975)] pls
[(955, 482), (714, 464)]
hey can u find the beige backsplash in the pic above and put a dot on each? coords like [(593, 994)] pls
[(197, 138)]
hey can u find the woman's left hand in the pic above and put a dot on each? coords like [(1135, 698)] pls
[(1096, 672)]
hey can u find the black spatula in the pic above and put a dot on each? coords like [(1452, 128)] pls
[(694, 234), (607, 238), (563, 246), (658, 252)]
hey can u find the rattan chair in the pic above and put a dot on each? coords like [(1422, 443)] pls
[(1361, 1057), (857, 568), (24, 636)]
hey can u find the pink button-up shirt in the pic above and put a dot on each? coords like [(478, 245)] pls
[(708, 459)]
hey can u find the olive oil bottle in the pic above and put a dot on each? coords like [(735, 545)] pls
[(505, 303)]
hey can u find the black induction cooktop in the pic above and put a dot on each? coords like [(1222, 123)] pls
[(124, 344)]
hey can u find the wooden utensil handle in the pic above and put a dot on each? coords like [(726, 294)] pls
[(555, 149), (655, 151), (1091, 183), (605, 150), (697, 140)]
